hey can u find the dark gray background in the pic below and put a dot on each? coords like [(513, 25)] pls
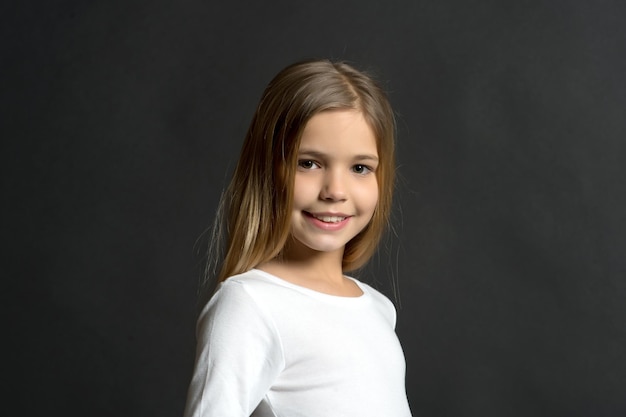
[(121, 122)]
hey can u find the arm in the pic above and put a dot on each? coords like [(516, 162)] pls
[(238, 355)]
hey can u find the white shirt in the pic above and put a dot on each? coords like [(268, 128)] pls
[(267, 347)]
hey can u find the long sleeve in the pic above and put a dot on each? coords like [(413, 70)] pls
[(239, 355)]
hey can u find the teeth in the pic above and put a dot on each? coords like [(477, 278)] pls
[(330, 219)]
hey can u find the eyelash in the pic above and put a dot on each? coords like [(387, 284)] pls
[(310, 164), (365, 167), (306, 161)]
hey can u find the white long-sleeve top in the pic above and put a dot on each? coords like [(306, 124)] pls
[(267, 347)]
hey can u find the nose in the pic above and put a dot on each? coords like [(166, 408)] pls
[(333, 187)]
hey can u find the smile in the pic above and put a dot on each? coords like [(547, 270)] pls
[(329, 219)]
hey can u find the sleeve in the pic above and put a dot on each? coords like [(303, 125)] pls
[(238, 355)]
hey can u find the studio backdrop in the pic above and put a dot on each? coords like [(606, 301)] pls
[(122, 122)]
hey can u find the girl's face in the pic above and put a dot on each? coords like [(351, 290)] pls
[(335, 190)]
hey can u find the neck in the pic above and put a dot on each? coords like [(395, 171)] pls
[(308, 262), (319, 271)]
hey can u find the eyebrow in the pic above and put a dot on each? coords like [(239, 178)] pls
[(318, 154)]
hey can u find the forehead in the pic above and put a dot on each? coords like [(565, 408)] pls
[(339, 132)]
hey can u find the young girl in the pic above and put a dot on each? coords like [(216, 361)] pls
[(287, 333)]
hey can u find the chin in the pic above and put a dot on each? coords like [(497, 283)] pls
[(319, 246)]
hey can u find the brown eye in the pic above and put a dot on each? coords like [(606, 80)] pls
[(307, 164)]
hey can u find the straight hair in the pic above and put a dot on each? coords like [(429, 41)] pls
[(253, 220)]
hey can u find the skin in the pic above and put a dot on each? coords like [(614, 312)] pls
[(335, 195)]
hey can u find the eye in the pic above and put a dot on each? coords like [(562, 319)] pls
[(308, 164), (361, 169)]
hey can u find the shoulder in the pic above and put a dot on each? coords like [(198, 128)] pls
[(237, 289), (254, 283), (378, 296), (252, 277), (253, 288), (236, 304), (381, 301)]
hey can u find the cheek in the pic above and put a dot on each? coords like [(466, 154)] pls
[(303, 189), (374, 199), (368, 196)]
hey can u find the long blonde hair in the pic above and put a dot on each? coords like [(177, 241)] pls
[(254, 214)]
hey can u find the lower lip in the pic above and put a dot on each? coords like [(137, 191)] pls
[(324, 225)]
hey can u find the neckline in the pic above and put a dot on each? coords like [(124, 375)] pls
[(314, 293)]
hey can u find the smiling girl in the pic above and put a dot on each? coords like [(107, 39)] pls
[(287, 333)]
